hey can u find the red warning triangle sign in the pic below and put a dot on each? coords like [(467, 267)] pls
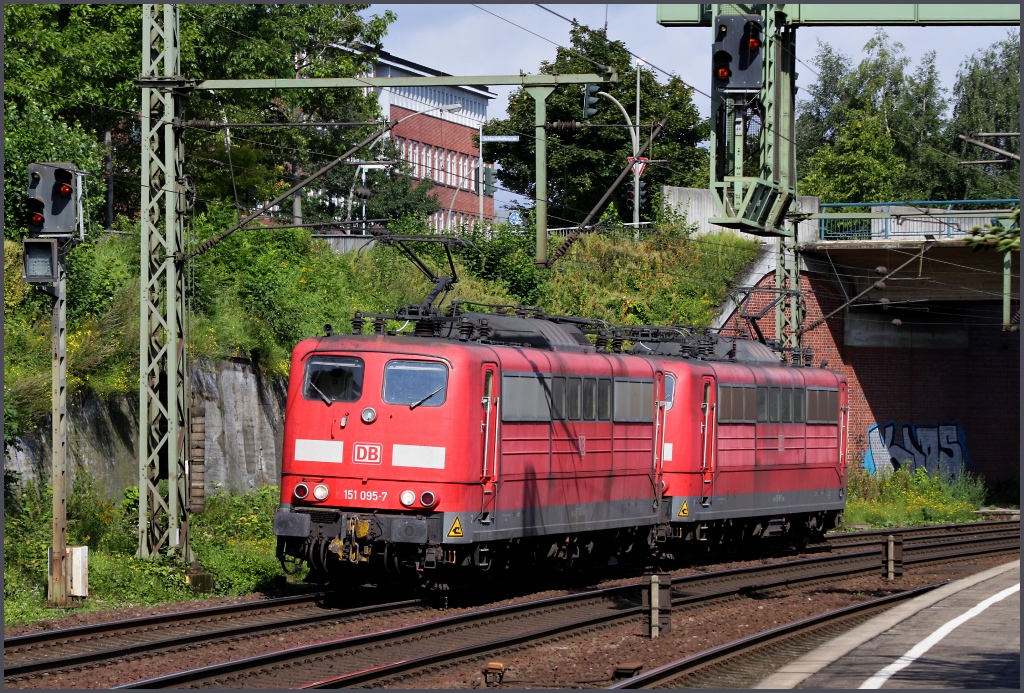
[(639, 163)]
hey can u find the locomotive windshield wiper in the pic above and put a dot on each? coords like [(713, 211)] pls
[(327, 401), (421, 401)]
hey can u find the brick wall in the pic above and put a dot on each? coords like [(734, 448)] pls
[(975, 389), (444, 137)]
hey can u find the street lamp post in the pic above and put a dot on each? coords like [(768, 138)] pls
[(634, 135)]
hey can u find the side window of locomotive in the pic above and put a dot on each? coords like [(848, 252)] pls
[(773, 404), (590, 399), (604, 400), (762, 405), (634, 401), (749, 404), (573, 397), (737, 404), (415, 383), (527, 397), (798, 405), (333, 379), (786, 404), (558, 398), (724, 403), (670, 390), (823, 406)]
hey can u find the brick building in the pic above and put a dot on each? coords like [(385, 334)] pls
[(933, 377), (439, 145)]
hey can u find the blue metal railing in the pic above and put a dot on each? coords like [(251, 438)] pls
[(913, 218)]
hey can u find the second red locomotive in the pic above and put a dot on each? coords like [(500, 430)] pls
[(490, 441)]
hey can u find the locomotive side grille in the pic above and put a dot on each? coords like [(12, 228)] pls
[(323, 517)]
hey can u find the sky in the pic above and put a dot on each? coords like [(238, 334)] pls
[(504, 39)]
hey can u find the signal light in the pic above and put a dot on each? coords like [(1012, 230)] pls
[(723, 72), (64, 189), (753, 43), (590, 99), (36, 219)]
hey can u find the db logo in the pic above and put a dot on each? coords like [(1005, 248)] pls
[(367, 453)]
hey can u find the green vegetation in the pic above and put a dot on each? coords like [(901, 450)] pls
[(884, 130), (907, 499), (582, 164), (233, 540)]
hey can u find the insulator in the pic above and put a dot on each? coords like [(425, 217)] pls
[(465, 329), (897, 322), (879, 285), (601, 342), (378, 325), (484, 331), (881, 269), (424, 328), (617, 343), (357, 323)]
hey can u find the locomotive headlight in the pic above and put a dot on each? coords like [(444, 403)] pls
[(301, 491), (369, 415), (427, 499), (320, 492), (407, 498)]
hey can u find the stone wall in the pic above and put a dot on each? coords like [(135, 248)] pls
[(244, 433)]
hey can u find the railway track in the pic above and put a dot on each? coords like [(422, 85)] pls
[(917, 534), (744, 662), (70, 648), (382, 657)]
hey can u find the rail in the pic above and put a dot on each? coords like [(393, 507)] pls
[(754, 645), (380, 658)]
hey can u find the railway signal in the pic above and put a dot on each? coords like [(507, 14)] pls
[(52, 199), (53, 219), (736, 62), (590, 99)]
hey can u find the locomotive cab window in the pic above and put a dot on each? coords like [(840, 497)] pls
[(670, 390), (415, 383), (333, 379)]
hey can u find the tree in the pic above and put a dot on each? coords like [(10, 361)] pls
[(914, 111), (987, 93), (582, 164), (78, 63), (861, 166)]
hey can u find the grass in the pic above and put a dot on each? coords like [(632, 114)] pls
[(904, 498), (233, 540)]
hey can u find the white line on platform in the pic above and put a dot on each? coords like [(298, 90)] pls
[(920, 648)]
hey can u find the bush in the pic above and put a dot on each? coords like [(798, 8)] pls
[(234, 540), (905, 498)]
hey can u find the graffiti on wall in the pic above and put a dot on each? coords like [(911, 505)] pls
[(921, 446)]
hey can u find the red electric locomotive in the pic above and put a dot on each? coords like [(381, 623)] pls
[(510, 439)]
